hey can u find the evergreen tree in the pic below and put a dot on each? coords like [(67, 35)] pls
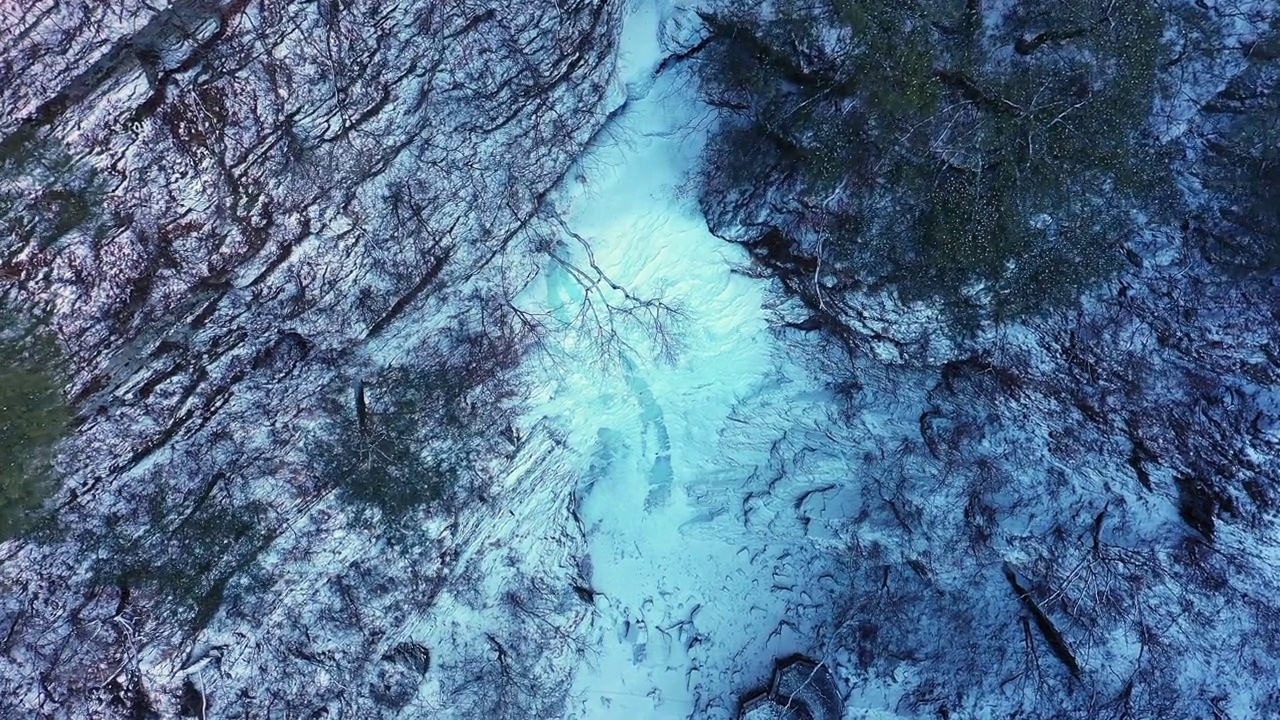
[(33, 417), (940, 146)]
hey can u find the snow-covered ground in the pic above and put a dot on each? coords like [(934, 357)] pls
[(1074, 514), (705, 566)]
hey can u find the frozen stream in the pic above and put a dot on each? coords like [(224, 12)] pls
[(706, 567)]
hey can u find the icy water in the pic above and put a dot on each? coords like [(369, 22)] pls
[(704, 554)]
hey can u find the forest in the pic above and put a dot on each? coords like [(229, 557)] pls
[(996, 161), (585, 359)]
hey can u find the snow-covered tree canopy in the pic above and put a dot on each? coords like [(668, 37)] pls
[(945, 148), (1044, 236)]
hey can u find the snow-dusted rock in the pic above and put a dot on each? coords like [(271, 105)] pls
[(252, 220)]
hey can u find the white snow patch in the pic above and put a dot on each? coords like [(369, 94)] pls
[(705, 563)]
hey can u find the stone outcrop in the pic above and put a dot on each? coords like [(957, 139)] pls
[(237, 211), (801, 689)]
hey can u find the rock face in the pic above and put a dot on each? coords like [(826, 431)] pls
[(256, 223), (801, 689)]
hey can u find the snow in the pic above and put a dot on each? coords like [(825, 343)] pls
[(700, 559), (685, 502)]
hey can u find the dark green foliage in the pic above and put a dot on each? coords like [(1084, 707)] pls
[(191, 552), (936, 148), (385, 471), (404, 440), (1242, 167), (33, 417), (375, 458), (44, 194)]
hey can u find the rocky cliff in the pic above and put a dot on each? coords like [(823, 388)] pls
[(266, 231)]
